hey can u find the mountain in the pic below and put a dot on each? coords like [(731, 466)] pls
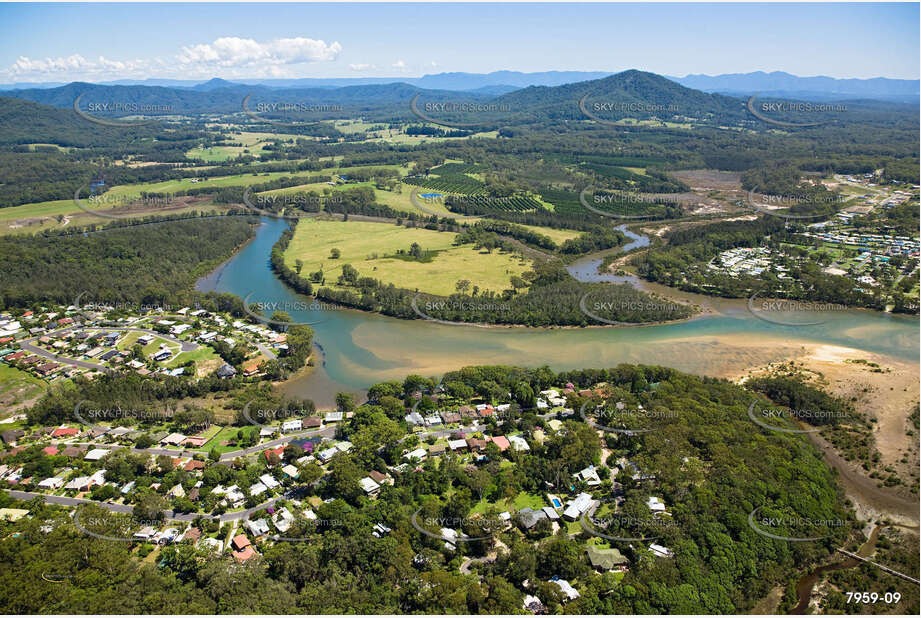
[(214, 84), (633, 90), (27, 122), (779, 83), (380, 101)]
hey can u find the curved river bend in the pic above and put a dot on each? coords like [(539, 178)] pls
[(359, 349)]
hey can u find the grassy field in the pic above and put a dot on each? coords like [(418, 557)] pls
[(359, 241), (522, 500), (557, 236), (16, 387)]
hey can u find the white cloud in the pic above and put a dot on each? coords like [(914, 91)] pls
[(227, 56), (237, 52), (362, 67), (399, 64)]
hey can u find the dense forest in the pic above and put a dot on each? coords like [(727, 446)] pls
[(151, 261)]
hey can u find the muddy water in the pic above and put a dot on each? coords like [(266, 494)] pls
[(361, 348), (806, 583)]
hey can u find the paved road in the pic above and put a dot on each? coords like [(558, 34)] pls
[(26, 345), (127, 508)]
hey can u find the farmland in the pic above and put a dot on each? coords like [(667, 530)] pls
[(371, 248)]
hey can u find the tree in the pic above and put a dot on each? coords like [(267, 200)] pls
[(462, 286), (149, 507), (345, 402), (298, 265), (334, 254)]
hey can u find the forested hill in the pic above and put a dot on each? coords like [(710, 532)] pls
[(27, 122), (143, 263), (630, 88)]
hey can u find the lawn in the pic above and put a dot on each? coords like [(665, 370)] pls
[(359, 241), (16, 387), (557, 236), (224, 435), (522, 500), (202, 356)]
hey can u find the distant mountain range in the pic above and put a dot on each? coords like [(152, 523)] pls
[(500, 82), (779, 83)]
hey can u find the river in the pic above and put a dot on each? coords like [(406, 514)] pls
[(359, 349)]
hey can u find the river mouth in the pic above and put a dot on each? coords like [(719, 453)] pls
[(362, 348)]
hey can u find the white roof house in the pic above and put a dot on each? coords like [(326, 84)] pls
[(579, 505), (660, 551), (257, 527), (78, 483), (589, 475), (655, 504), (567, 588), (268, 481), (333, 417), (290, 471), (369, 486), (289, 426), (419, 454), (52, 483), (327, 454), (458, 444), (257, 489), (518, 443), (96, 454)]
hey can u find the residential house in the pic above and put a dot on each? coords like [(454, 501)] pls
[(418, 455), (64, 432), (369, 486), (173, 439), (528, 517), (660, 552), (571, 593), (269, 481), (96, 454), (518, 443), (257, 527), (606, 559), (502, 442), (289, 426), (578, 506)]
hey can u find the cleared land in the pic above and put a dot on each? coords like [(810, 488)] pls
[(360, 241)]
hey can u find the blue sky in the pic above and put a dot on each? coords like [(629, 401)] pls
[(66, 42)]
